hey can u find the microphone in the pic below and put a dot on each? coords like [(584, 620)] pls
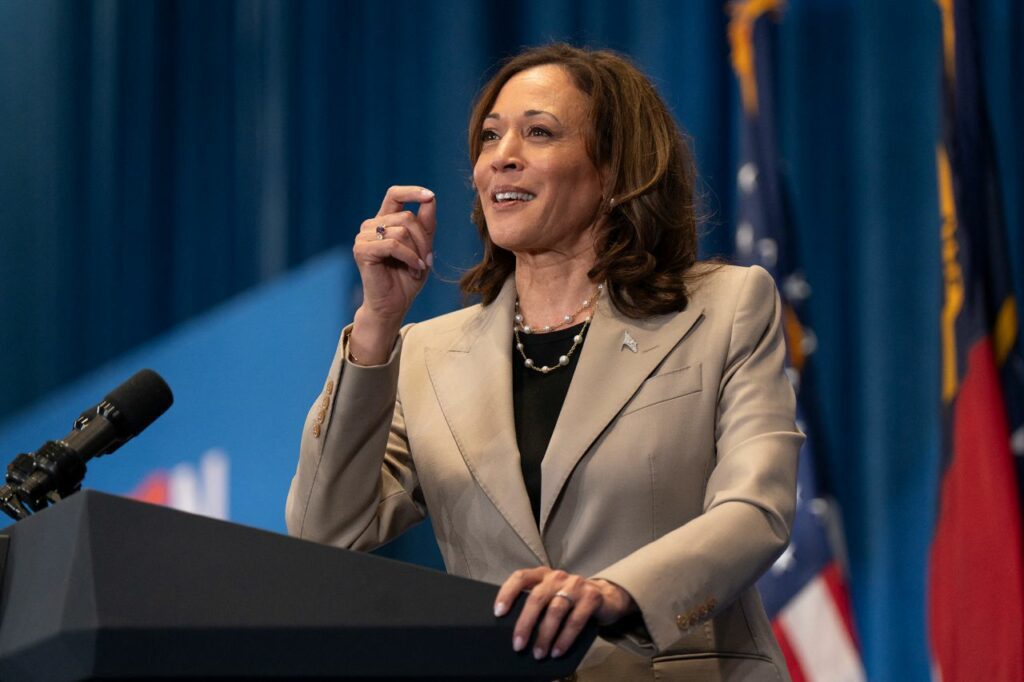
[(57, 468)]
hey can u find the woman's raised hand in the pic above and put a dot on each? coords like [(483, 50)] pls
[(394, 253)]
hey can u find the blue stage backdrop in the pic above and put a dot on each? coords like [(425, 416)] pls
[(243, 377)]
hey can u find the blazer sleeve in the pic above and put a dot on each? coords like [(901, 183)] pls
[(689, 574), (355, 485)]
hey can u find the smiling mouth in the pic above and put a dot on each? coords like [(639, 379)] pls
[(509, 197)]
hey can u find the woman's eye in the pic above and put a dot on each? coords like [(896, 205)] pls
[(488, 136), (538, 132)]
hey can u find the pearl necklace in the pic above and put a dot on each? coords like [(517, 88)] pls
[(520, 321), (519, 324)]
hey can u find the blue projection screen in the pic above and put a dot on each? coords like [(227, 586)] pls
[(243, 377)]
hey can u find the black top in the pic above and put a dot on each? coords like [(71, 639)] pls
[(537, 399)]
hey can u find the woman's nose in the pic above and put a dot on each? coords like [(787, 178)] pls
[(508, 155)]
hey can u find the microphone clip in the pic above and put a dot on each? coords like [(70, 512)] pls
[(34, 481)]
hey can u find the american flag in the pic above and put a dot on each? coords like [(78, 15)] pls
[(804, 592)]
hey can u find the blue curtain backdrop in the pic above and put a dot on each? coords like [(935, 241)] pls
[(158, 157)]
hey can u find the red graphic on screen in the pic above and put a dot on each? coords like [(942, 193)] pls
[(153, 489)]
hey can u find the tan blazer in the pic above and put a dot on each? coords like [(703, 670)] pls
[(671, 471)]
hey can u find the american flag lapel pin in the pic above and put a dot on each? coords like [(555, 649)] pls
[(628, 341)]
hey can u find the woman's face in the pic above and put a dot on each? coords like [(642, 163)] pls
[(539, 189)]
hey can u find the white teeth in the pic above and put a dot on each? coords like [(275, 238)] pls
[(514, 196)]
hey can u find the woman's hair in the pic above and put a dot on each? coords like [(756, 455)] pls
[(646, 242)]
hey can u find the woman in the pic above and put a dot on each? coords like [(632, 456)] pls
[(611, 429)]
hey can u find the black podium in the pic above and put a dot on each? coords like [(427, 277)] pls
[(100, 587)]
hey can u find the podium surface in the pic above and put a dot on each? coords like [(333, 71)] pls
[(100, 587)]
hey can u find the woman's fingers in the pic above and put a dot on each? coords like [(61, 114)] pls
[(404, 226), (520, 580), (558, 607), (379, 250), (575, 621), (535, 605), (428, 216), (398, 196), (562, 596)]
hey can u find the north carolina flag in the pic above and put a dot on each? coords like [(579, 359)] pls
[(976, 581), (805, 592)]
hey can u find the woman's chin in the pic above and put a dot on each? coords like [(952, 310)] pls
[(510, 238)]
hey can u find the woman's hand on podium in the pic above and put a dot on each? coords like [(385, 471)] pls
[(560, 604)]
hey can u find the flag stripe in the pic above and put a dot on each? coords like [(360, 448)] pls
[(841, 598), (792, 662), (819, 637)]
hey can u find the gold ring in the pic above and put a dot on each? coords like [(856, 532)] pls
[(381, 229)]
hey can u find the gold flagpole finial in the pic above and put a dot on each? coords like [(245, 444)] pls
[(744, 13), (948, 38)]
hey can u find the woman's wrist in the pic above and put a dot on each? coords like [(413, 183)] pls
[(619, 603), (371, 339)]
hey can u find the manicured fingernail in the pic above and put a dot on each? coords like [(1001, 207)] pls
[(518, 643), (427, 194), (423, 266), (556, 652), (500, 608), (538, 653), (430, 260)]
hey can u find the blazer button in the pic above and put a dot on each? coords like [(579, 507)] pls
[(330, 386), (682, 623)]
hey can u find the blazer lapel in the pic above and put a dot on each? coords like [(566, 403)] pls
[(608, 374), (473, 382)]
